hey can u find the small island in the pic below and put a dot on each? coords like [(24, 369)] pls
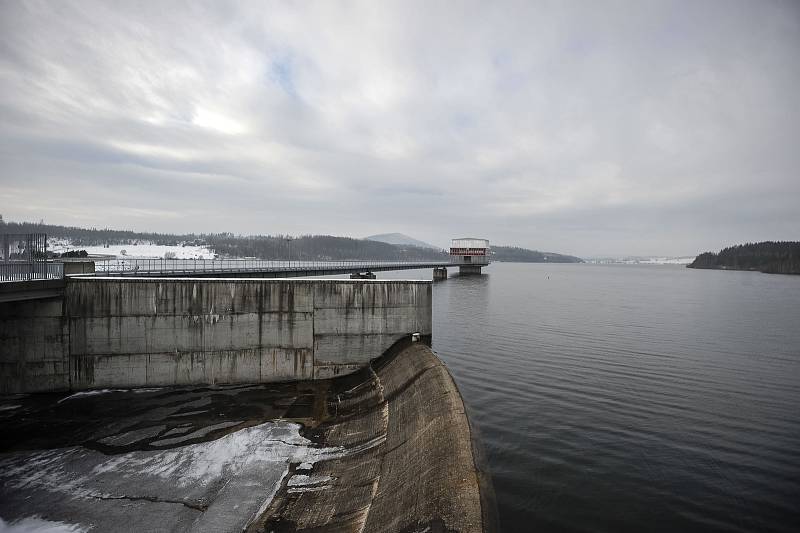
[(771, 257)]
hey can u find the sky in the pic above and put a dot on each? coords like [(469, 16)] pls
[(585, 127)]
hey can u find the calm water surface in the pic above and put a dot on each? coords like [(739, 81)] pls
[(630, 398)]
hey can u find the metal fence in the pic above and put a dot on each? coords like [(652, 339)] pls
[(23, 247), (190, 267), (23, 257), (19, 271)]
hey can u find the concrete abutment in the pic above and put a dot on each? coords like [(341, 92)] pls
[(469, 270)]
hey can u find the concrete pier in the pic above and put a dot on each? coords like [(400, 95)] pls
[(439, 274), (469, 270)]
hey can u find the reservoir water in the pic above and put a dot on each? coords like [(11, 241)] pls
[(630, 398)]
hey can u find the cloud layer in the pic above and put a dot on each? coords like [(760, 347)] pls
[(582, 127)]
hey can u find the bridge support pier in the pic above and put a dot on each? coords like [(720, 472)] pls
[(439, 273), (363, 275), (469, 270)]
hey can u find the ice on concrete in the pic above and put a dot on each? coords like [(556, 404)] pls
[(302, 480), (178, 430), (133, 436), (305, 483), (188, 413), (222, 484), (202, 432), (34, 524), (206, 461), (83, 394)]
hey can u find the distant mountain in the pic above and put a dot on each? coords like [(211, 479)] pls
[(770, 257), (515, 254), (399, 239)]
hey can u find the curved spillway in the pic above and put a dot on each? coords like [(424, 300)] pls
[(411, 464)]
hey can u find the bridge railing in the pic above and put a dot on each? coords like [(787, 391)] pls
[(196, 266)]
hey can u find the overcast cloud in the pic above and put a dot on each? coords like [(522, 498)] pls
[(579, 127)]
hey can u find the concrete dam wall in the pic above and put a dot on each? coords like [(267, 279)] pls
[(384, 450), (112, 332)]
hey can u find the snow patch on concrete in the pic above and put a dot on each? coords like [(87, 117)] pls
[(277, 442), (34, 524)]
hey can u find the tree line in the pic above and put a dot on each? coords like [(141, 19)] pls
[(515, 254), (303, 248), (317, 248), (781, 257)]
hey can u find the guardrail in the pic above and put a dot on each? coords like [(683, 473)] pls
[(21, 271), (196, 266)]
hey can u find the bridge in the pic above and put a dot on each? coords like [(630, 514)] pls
[(26, 273), (254, 268)]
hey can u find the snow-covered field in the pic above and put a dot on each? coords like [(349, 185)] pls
[(682, 260), (136, 251), (667, 260)]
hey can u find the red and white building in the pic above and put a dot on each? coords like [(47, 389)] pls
[(469, 252)]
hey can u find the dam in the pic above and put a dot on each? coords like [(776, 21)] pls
[(190, 404), (142, 332)]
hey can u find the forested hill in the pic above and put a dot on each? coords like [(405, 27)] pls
[(770, 257), (304, 248), (514, 254), (318, 247), (94, 237)]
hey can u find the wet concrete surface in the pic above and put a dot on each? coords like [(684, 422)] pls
[(386, 449)]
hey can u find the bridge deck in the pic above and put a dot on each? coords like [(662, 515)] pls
[(252, 268)]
